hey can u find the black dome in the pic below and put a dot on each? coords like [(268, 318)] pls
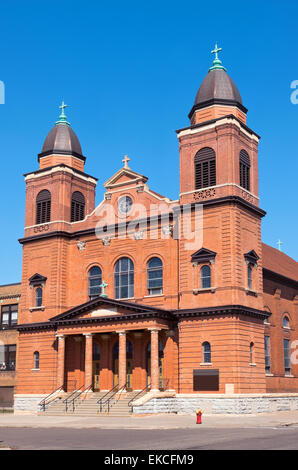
[(62, 140), (218, 85)]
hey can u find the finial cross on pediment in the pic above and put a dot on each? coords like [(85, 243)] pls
[(125, 161)]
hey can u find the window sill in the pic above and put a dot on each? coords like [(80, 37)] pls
[(253, 364), (153, 295), (269, 375), (34, 369), (202, 291), (287, 328), (251, 292), (34, 309), (289, 375), (206, 364)]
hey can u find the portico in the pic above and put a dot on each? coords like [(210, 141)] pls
[(125, 350)]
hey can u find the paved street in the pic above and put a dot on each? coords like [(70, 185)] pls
[(160, 432), (283, 438)]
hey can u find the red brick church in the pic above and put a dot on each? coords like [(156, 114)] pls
[(120, 297)]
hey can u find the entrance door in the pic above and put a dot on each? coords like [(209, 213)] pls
[(129, 374), (95, 373), (115, 372)]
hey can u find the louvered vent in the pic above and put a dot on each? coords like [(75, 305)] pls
[(205, 168), (77, 207), (244, 165), (43, 207)]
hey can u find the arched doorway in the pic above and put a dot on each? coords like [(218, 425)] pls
[(128, 364), (160, 360), (95, 366)]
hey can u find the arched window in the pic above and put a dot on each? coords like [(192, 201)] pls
[(287, 360), (43, 207), (205, 168), (251, 353), (286, 322), (77, 207), (206, 352), (154, 276), (205, 277), (267, 354), (249, 277), (124, 279), (94, 282), (38, 297), (244, 165), (36, 360)]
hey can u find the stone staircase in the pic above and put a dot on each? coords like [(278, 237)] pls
[(88, 406)]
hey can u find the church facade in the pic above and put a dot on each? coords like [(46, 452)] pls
[(147, 293)]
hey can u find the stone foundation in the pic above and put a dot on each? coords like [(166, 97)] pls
[(24, 404), (220, 404)]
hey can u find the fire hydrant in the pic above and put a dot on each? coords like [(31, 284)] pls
[(199, 416)]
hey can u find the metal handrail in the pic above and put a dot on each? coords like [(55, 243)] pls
[(70, 397), (142, 391), (78, 396), (43, 402), (110, 398), (106, 394)]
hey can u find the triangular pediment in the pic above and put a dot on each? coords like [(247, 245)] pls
[(37, 279), (104, 307), (251, 257), (203, 255), (123, 177)]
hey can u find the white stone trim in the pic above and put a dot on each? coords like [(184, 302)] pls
[(218, 123), (33, 175), (219, 186)]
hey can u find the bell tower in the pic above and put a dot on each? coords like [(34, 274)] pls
[(59, 193), (219, 170), (59, 198)]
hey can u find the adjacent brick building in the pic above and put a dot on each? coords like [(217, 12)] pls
[(9, 303), (142, 289)]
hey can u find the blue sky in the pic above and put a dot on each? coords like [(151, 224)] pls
[(130, 71)]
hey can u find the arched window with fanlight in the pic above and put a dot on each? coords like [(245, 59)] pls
[(244, 166), (205, 277), (77, 207), (124, 278), (94, 282), (205, 168), (154, 276), (43, 207), (206, 352)]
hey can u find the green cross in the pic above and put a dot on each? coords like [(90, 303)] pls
[(103, 286), (216, 51), (63, 105), (279, 243)]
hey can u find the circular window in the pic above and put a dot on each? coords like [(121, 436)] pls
[(124, 205)]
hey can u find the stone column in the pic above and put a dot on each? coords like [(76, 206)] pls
[(122, 358), (154, 360), (88, 359), (60, 360)]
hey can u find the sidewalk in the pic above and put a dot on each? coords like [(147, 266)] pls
[(161, 421)]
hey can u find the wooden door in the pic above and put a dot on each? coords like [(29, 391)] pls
[(96, 370)]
